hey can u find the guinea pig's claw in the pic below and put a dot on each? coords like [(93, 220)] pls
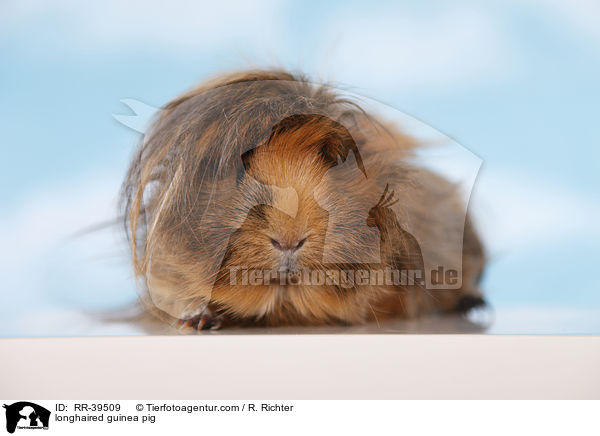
[(207, 320)]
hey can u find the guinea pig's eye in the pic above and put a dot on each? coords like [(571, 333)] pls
[(276, 244), (246, 157), (239, 175), (245, 166)]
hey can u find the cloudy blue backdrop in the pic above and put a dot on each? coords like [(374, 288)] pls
[(516, 82)]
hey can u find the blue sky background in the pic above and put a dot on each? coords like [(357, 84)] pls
[(516, 82)]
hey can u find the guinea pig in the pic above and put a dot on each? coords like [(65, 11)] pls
[(262, 199)]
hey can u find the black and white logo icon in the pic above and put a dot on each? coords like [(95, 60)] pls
[(26, 415)]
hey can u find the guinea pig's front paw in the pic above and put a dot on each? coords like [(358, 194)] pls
[(206, 320)]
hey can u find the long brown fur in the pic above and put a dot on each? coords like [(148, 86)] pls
[(257, 160)]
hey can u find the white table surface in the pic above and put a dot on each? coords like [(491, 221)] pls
[(301, 366)]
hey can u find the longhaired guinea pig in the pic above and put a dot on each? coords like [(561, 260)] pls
[(262, 199)]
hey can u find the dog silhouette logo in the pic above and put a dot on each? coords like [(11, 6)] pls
[(26, 415)]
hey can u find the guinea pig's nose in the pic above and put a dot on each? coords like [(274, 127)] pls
[(281, 246)]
